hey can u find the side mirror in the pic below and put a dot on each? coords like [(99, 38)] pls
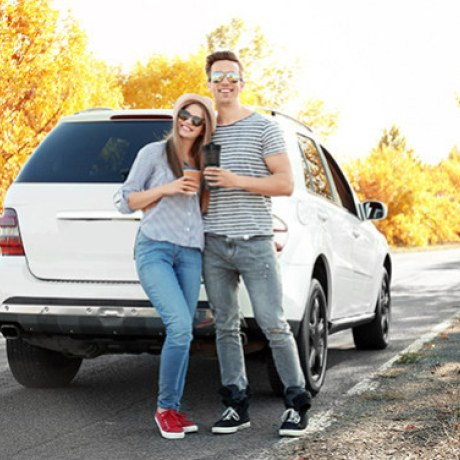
[(374, 210)]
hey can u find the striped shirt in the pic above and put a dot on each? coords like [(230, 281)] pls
[(233, 212), (176, 218)]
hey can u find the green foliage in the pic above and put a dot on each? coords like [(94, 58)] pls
[(410, 358)]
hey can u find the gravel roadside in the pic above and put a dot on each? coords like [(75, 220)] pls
[(409, 410)]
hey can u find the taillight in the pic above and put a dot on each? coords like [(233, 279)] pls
[(280, 231), (10, 238)]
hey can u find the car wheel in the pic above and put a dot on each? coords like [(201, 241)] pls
[(312, 338), (375, 335), (36, 367), (311, 342)]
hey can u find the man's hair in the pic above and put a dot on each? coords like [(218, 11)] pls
[(222, 56)]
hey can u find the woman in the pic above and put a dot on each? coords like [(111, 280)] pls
[(169, 243)]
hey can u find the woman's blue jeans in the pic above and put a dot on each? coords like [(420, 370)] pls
[(171, 277)]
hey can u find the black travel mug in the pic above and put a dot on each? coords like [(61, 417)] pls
[(211, 154)]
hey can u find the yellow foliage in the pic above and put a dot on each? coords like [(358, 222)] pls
[(269, 76), (46, 73), (159, 82), (268, 81), (423, 203), (317, 118)]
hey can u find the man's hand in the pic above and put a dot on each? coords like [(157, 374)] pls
[(279, 183), (221, 177)]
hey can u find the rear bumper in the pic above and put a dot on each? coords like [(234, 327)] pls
[(93, 317), (88, 312)]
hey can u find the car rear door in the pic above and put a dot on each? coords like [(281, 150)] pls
[(365, 254)]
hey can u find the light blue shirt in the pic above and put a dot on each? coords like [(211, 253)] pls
[(176, 218)]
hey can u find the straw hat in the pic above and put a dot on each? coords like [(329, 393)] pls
[(190, 98)]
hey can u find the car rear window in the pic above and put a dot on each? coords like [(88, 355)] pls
[(91, 151)]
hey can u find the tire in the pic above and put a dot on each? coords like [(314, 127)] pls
[(375, 335), (312, 338), (311, 343), (35, 367)]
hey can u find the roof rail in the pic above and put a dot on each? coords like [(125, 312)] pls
[(277, 112), (93, 109)]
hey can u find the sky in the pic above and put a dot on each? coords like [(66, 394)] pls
[(377, 62)]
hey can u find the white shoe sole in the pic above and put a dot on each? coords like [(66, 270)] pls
[(190, 429), (229, 430), (167, 435), (293, 433)]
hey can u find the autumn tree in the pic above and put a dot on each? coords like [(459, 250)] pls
[(161, 80), (46, 73), (393, 175), (318, 118), (270, 83), (443, 185)]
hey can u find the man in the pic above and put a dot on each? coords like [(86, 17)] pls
[(254, 166)]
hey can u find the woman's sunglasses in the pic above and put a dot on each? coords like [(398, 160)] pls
[(185, 115), (217, 77)]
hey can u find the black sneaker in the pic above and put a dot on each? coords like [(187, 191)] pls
[(232, 421), (293, 423)]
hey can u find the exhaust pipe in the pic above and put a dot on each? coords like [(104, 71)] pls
[(10, 331)]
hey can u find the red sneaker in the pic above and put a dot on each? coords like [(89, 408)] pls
[(187, 425), (169, 425)]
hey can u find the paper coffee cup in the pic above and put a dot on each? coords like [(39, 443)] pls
[(194, 174)]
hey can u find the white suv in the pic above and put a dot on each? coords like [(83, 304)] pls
[(68, 283)]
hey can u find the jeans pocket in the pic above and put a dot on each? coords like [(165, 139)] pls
[(258, 257)]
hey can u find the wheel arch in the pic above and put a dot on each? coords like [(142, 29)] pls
[(321, 272), (388, 265)]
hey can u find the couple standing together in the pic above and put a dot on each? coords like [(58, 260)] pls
[(227, 229)]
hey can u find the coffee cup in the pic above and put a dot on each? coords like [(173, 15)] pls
[(211, 153), (194, 174)]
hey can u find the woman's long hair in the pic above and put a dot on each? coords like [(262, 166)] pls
[(173, 141)]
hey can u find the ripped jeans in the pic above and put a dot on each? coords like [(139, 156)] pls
[(225, 260)]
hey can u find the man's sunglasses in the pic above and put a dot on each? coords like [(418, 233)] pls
[(232, 77), (185, 115)]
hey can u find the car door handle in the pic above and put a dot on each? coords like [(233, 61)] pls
[(323, 217), (356, 233)]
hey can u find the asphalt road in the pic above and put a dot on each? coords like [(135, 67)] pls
[(107, 412)]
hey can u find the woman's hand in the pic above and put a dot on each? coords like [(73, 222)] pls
[(184, 186), (147, 199)]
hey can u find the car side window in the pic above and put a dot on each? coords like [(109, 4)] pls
[(315, 176), (341, 184)]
